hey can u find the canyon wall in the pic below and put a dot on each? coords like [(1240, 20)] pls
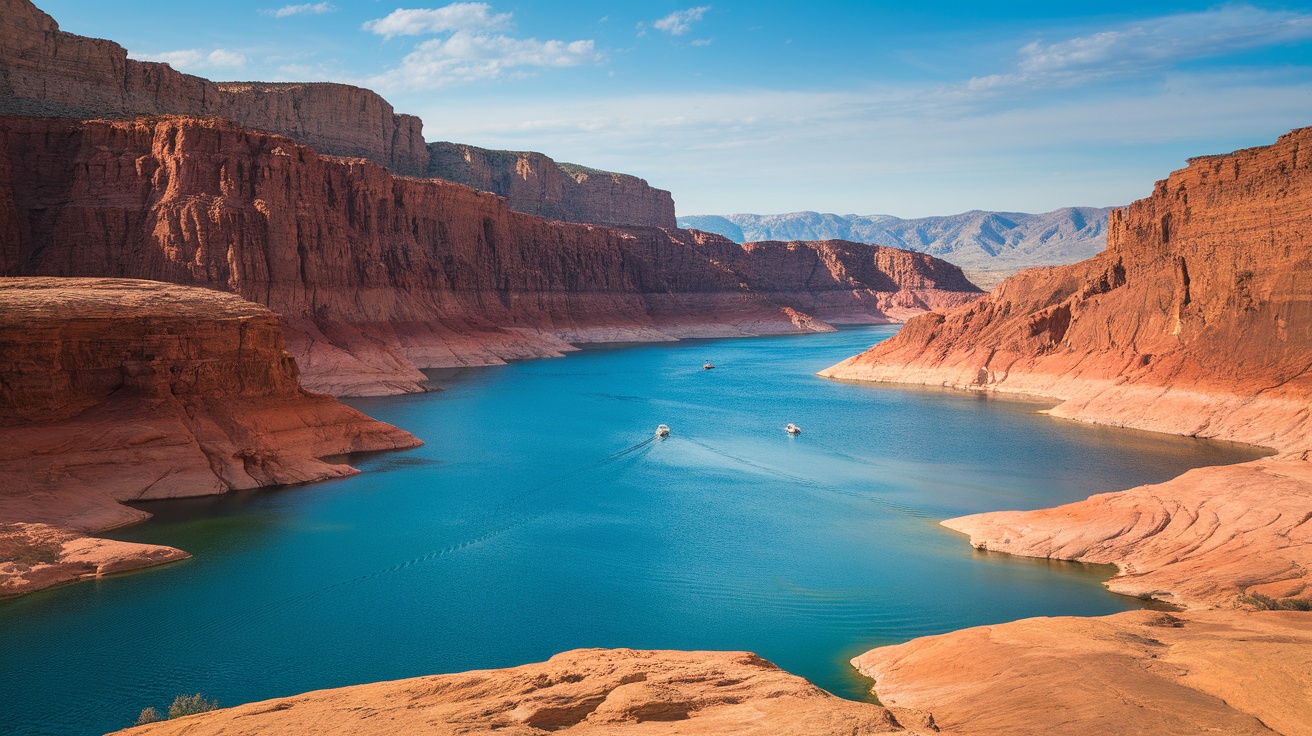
[(377, 276), (122, 390), (1197, 320), (534, 184), (45, 71)]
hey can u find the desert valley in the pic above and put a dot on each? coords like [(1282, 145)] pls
[(390, 404)]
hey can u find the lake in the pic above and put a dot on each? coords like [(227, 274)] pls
[(541, 516)]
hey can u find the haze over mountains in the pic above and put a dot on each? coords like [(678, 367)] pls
[(989, 245)]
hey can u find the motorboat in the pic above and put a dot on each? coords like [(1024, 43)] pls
[(793, 429), (708, 365), (662, 431)]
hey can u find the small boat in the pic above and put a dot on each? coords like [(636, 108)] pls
[(662, 431), (793, 429), (708, 365)]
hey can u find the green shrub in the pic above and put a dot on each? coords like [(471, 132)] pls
[(190, 705), (149, 715), (1267, 603)]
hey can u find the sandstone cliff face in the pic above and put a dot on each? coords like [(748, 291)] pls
[(44, 71), (377, 275), (1140, 673), (592, 691), (119, 390), (536, 185), (1197, 320)]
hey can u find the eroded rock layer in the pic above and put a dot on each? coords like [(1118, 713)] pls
[(1196, 320), (592, 691), (1141, 673), (534, 184), (377, 276), (45, 71), (121, 390)]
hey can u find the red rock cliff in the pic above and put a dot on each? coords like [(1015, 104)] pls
[(534, 184), (120, 390), (1197, 320), (44, 71), (376, 274)]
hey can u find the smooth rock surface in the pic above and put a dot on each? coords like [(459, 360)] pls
[(1138, 673), (589, 691), (121, 390)]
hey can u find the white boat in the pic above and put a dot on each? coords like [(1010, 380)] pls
[(708, 365), (662, 431), (793, 429)]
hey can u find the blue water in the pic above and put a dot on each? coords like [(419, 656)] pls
[(538, 519)]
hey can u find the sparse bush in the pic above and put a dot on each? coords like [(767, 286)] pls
[(190, 705), (149, 715), (1266, 603)]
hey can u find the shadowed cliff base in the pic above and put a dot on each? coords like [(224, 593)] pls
[(116, 390)]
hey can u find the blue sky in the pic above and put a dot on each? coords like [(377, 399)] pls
[(904, 109)]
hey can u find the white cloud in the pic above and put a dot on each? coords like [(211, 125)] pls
[(680, 21), (1148, 46), (470, 56), (453, 17), (702, 41), (287, 11), (195, 60)]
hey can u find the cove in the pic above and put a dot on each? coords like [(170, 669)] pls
[(539, 518)]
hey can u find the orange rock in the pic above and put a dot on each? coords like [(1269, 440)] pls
[(589, 691), (1141, 673), (118, 390)]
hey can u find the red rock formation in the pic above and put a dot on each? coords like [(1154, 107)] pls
[(119, 390), (1197, 320), (44, 71), (536, 185), (376, 274)]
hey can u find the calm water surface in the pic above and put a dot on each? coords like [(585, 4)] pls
[(539, 519)]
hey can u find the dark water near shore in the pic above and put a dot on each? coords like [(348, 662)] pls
[(538, 519)]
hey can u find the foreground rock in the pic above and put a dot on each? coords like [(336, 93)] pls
[(1142, 672), (378, 276), (593, 691), (536, 185), (1197, 320), (118, 390)]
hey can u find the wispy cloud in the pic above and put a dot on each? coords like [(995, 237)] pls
[(195, 60), (470, 52), (453, 17), (1149, 46), (680, 21), (287, 11)]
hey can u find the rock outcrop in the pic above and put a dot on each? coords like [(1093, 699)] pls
[(534, 184), (1141, 673), (45, 71), (591, 691), (118, 390), (377, 276), (1197, 320)]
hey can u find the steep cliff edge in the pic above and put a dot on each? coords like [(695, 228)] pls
[(1197, 320), (119, 390), (377, 276), (534, 184)]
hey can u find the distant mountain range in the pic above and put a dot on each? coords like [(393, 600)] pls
[(989, 245)]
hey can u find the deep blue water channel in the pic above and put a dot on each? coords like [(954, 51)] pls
[(535, 520)]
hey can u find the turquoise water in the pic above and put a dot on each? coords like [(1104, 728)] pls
[(538, 518)]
